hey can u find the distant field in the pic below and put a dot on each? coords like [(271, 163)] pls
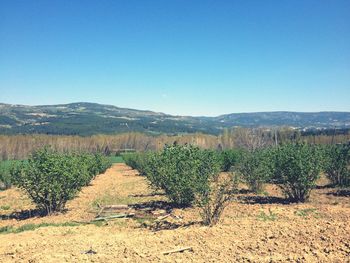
[(116, 159)]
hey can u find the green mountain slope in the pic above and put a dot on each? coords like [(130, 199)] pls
[(91, 118)]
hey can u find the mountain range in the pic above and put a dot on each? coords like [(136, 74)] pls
[(84, 118)]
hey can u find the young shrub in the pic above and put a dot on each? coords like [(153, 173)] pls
[(215, 196), (229, 158), (337, 164), (51, 178), (255, 169), (181, 171), (298, 167), (189, 175)]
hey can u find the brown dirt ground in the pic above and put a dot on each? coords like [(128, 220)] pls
[(253, 229)]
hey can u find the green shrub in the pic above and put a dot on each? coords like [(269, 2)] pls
[(5, 177), (229, 158), (99, 163), (182, 171), (137, 161), (255, 168), (51, 179), (337, 164), (189, 175), (5, 173), (298, 167)]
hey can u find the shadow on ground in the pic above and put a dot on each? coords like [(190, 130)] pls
[(340, 192), (147, 195), (25, 214), (263, 200), (166, 225), (154, 205)]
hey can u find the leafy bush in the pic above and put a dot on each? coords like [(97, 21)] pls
[(5, 177), (182, 171), (337, 164), (298, 167), (229, 158), (97, 163), (5, 173), (255, 168), (51, 178), (137, 161)]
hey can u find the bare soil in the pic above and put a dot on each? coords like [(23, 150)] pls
[(254, 228)]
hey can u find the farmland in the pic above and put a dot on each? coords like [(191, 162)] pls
[(174, 131), (261, 227)]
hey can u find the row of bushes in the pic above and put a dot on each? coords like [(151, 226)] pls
[(189, 175), (226, 159), (337, 164), (138, 161), (295, 168), (51, 178)]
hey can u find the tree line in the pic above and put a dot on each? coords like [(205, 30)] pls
[(21, 146)]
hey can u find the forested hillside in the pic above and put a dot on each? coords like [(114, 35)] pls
[(91, 118)]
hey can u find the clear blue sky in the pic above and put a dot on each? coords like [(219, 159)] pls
[(180, 57)]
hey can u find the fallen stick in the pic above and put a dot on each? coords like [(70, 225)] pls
[(116, 207), (113, 217), (160, 218), (100, 212), (178, 250)]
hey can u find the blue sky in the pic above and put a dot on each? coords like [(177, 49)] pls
[(180, 57)]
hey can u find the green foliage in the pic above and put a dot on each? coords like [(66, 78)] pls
[(115, 159), (51, 178), (189, 175), (307, 212), (5, 173), (98, 163), (255, 168), (138, 161), (5, 207), (337, 164), (298, 167), (5, 177), (182, 171), (229, 158), (271, 216)]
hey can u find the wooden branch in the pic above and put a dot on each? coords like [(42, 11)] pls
[(160, 218), (113, 217), (178, 250), (116, 207), (100, 212)]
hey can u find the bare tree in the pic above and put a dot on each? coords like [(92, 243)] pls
[(251, 138)]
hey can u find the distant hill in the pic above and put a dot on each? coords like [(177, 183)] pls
[(91, 118)]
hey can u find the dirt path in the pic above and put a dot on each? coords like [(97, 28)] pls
[(254, 229)]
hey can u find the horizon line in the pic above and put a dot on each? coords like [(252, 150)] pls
[(175, 115)]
